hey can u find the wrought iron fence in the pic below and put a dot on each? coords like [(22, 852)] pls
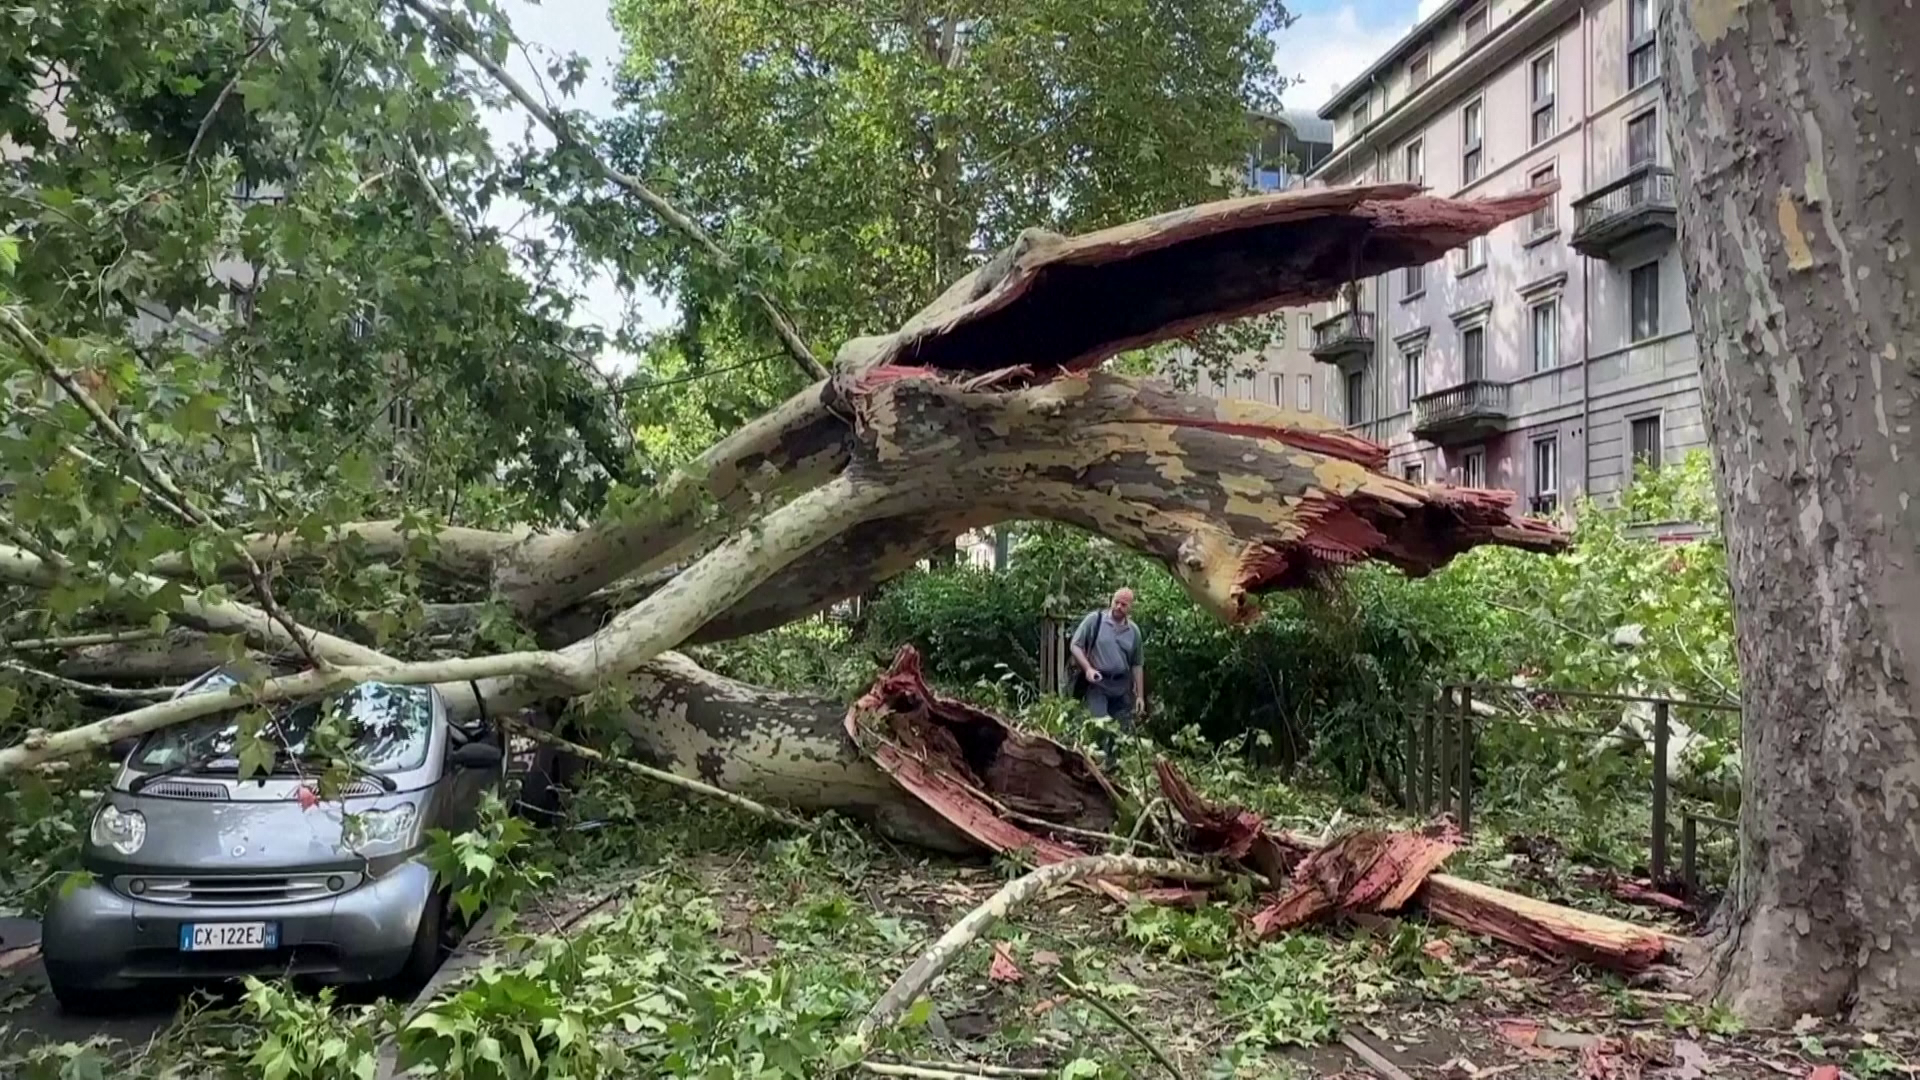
[(1442, 737)]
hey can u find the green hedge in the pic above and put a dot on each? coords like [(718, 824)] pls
[(1318, 677)]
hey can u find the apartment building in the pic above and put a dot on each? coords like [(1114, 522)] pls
[(1288, 146), (1550, 355)]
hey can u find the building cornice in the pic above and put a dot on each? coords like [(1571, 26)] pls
[(1550, 283), (1511, 40), (1470, 316)]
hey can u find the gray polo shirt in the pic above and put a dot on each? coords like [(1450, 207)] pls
[(1114, 650)]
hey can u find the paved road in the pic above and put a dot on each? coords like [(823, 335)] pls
[(29, 1015), (41, 1021)]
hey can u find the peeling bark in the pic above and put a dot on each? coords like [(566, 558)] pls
[(1793, 144), (1046, 308), (984, 407)]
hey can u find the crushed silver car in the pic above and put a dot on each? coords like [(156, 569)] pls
[(198, 874)]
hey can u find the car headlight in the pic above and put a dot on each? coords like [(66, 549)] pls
[(385, 830), (122, 830)]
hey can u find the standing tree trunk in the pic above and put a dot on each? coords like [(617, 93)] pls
[(1793, 125)]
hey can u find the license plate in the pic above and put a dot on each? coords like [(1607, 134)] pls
[(217, 937)]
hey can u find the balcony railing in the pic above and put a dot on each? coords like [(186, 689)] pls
[(1473, 408), (1639, 201), (1345, 339)]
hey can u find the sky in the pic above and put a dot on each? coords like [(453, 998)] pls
[(1330, 42)]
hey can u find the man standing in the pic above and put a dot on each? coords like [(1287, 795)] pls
[(1107, 646)]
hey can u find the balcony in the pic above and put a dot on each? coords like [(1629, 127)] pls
[(1345, 340), (1637, 204), (1465, 413)]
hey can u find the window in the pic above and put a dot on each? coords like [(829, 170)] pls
[(1544, 319), (1540, 98), (1279, 391), (1475, 24), (1470, 258), (1303, 393), (1306, 328), (1356, 398), (1416, 473), (1546, 475), (1640, 43), (1473, 468), (1646, 442), (401, 415), (1361, 113), (1643, 297), (1418, 69), (1471, 126), (1545, 219), (1473, 353), (1416, 162), (1411, 360), (1642, 148), (1413, 280)]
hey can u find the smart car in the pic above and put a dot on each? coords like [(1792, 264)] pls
[(196, 873)]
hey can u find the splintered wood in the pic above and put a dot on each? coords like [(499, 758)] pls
[(1366, 871), (1375, 872), (1007, 790), (1543, 928)]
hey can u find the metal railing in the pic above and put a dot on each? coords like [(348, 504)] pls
[(1346, 328), (1441, 739), (1475, 397), (1642, 187)]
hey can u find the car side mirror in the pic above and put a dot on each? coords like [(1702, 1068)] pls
[(475, 755)]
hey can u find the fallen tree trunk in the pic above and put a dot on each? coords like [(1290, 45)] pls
[(984, 407)]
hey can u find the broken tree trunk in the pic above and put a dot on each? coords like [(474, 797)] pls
[(1545, 929), (1381, 872), (985, 407), (969, 767)]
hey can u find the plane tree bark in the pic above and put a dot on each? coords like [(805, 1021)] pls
[(1792, 134), (987, 406)]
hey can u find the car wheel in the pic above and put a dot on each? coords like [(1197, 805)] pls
[(544, 789), (429, 946), (78, 999)]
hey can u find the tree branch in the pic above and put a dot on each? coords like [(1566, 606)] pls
[(629, 641), (40, 746), (783, 326), (26, 568), (588, 753), (76, 641), (913, 981), (206, 122), (110, 693)]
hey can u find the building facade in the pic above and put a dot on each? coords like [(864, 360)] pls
[(1288, 147), (1550, 355)]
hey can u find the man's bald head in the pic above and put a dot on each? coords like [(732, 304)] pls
[(1122, 604)]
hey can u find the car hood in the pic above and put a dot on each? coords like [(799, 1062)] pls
[(241, 837)]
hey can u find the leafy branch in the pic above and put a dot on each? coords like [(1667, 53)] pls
[(461, 39), (175, 500)]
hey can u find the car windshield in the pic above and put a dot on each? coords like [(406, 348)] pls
[(387, 729)]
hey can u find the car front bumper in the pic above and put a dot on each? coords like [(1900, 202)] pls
[(96, 938)]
